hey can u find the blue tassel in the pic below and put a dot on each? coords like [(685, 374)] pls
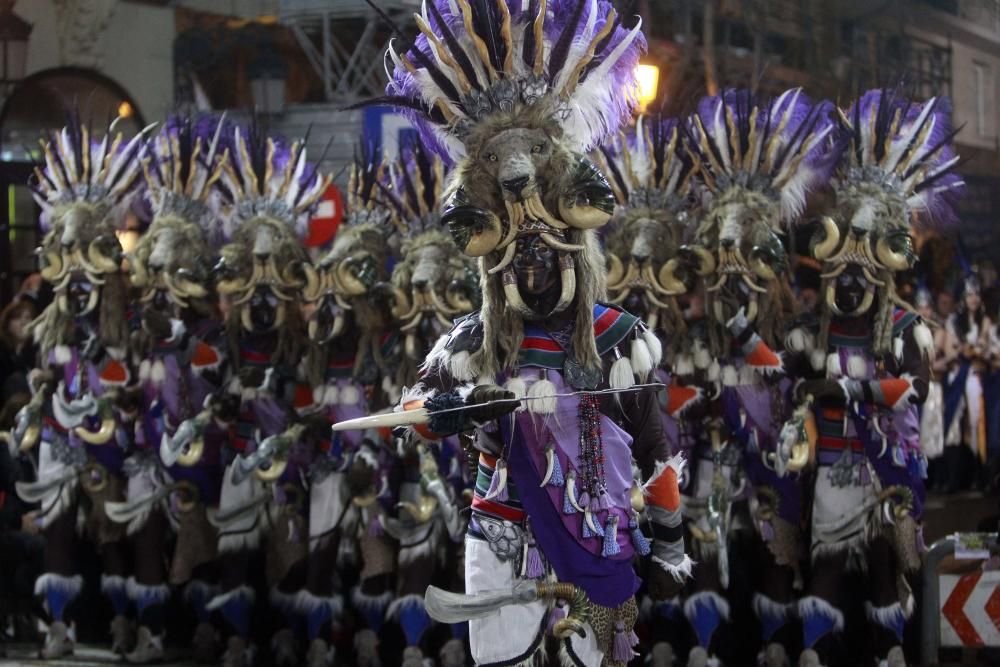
[(611, 547), (639, 541), (586, 532), (557, 474)]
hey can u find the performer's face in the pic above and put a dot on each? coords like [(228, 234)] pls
[(537, 267), (850, 290), (972, 301), (263, 309)]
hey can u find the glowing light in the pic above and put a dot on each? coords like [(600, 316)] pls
[(125, 110), (648, 77), (128, 238)]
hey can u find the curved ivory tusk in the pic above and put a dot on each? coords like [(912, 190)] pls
[(191, 454), (53, 266), (762, 269), (352, 286), (508, 257), (615, 271), (706, 260), (892, 260), (831, 239), (273, 472), (752, 285), (651, 295), (535, 208), (836, 272), (556, 244), (621, 296), (667, 277), (459, 303), (91, 303), (550, 464), (402, 308), (583, 217), (101, 435), (568, 276), (631, 273), (438, 304), (412, 324), (718, 284), (313, 288), (752, 310)]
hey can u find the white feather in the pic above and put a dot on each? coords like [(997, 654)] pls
[(642, 362), (857, 367), (906, 135), (541, 397), (719, 133), (833, 369), (730, 378), (578, 47), (683, 365), (621, 374), (654, 345), (714, 371)]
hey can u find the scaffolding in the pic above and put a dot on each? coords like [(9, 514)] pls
[(345, 42)]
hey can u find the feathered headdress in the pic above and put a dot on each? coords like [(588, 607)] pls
[(263, 178), (81, 168), (413, 185), (647, 166), (181, 165), (477, 58), (901, 151), (781, 150), (366, 202)]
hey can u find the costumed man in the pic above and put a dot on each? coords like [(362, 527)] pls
[(757, 163), (178, 354), (516, 93), (349, 354), (82, 338), (873, 350), (272, 191), (433, 284), (650, 173)]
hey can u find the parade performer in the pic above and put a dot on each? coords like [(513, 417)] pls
[(757, 163), (873, 348), (516, 92), (349, 355), (78, 412), (177, 350), (272, 190)]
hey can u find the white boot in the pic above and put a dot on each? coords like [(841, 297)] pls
[(148, 647), (59, 641)]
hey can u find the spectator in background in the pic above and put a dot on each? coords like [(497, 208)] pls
[(16, 351), (944, 305)]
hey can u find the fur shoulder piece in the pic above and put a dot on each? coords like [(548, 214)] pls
[(452, 350)]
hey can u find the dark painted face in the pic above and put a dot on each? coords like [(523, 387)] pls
[(536, 266), (850, 289), (263, 309)]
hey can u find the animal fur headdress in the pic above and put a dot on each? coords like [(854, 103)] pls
[(757, 163), (477, 59), (650, 173), (180, 166), (83, 181), (897, 172)]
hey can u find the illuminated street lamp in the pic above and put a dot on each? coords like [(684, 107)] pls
[(648, 77)]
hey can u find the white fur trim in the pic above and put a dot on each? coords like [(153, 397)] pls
[(621, 374), (244, 592), (811, 605), (897, 348), (112, 582), (885, 616), (924, 338), (158, 594), (49, 581), (677, 463), (366, 602), (460, 367), (304, 602), (517, 386), (680, 572), (765, 606), (704, 597), (350, 395), (799, 341), (245, 541), (714, 371), (407, 601), (144, 370), (748, 375), (730, 378)]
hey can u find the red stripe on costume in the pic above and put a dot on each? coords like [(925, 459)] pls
[(503, 511), (303, 397), (893, 390), (606, 319), (114, 373), (539, 343), (762, 357)]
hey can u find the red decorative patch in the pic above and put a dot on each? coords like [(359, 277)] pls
[(663, 491), (762, 357), (114, 373), (303, 397), (894, 390), (680, 398), (205, 356)]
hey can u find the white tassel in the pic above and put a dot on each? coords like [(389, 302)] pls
[(654, 345), (897, 348), (331, 395), (730, 377), (857, 367), (702, 358), (797, 340), (350, 396), (318, 394), (683, 365), (833, 365), (714, 370), (924, 338), (541, 399), (517, 386), (642, 361), (62, 354), (158, 372), (621, 372), (144, 370), (817, 359)]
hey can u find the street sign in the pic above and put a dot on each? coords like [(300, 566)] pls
[(329, 212), (970, 609)]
